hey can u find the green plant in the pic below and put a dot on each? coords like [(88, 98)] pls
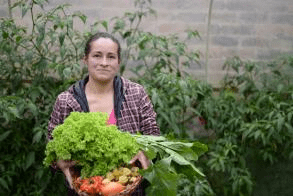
[(252, 115), (35, 68), (175, 99), (195, 187), (41, 61), (22, 135), (172, 160)]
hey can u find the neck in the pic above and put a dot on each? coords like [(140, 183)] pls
[(100, 88)]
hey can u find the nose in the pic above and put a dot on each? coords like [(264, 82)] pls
[(104, 62)]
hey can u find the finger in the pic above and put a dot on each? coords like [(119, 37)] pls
[(68, 177), (72, 163), (133, 159), (145, 163)]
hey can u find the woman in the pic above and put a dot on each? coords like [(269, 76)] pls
[(103, 90)]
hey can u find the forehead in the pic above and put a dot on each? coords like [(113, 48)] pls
[(105, 45)]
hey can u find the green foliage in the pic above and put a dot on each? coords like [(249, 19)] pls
[(175, 99), (252, 112), (87, 139), (172, 158), (251, 115), (195, 187), (22, 135), (33, 73), (50, 47)]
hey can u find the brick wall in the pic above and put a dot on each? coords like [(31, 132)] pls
[(251, 29)]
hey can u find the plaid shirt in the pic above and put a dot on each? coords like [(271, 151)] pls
[(137, 113)]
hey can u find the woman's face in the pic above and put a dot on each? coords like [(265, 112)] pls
[(102, 61)]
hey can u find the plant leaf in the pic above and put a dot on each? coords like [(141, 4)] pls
[(3, 183), (61, 38), (105, 25), (67, 72), (190, 169), (151, 152), (4, 135), (30, 159), (83, 18), (163, 181), (37, 137), (24, 9), (33, 108)]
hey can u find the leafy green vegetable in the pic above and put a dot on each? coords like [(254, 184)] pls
[(172, 159), (163, 180), (99, 148), (86, 138)]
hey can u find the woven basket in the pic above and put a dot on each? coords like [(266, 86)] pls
[(127, 192), (131, 188)]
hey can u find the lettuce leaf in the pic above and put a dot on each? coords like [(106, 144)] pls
[(171, 159), (86, 138)]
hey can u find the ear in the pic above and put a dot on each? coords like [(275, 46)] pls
[(84, 59), (119, 65)]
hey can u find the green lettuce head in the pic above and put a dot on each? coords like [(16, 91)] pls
[(87, 139)]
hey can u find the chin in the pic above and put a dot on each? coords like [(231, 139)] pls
[(102, 79)]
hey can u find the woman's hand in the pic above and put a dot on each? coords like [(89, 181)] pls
[(145, 163), (64, 166)]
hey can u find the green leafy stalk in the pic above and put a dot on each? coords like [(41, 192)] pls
[(172, 159)]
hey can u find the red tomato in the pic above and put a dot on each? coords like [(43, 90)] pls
[(91, 185), (112, 188)]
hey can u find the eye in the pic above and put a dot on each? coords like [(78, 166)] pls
[(97, 55), (112, 57)]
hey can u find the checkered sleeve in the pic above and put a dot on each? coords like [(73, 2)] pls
[(53, 122), (55, 118), (148, 124), (60, 111)]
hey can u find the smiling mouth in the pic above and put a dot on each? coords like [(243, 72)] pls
[(102, 70)]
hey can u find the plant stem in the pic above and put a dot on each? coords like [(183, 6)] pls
[(133, 34), (9, 9), (33, 29), (208, 40), (70, 38), (32, 16)]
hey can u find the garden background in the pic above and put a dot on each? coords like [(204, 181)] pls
[(242, 112)]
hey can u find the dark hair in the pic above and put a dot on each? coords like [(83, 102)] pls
[(95, 37)]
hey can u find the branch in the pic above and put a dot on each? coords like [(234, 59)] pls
[(134, 32), (33, 29), (70, 38), (208, 40), (32, 16), (9, 9)]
